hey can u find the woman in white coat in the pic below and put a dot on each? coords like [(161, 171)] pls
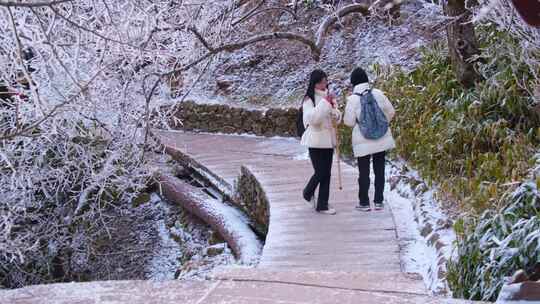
[(367, 149), (319, 108)]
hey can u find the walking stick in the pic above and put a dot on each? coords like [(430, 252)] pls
[(340, 183)]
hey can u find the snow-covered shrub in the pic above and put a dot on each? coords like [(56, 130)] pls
[(471, 142), (522, 52), (479, 146), (497, 244)]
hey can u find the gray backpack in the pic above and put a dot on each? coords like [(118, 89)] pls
[(371, 121)]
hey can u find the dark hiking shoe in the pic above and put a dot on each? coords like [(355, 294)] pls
[(363, 207), (379, 206)]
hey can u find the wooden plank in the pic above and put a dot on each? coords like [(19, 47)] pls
[(299, 237)]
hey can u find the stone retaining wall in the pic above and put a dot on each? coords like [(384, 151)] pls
[(251, 198), (226, 119)]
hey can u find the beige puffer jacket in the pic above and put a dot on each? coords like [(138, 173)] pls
[(361, 145), (318, 122)]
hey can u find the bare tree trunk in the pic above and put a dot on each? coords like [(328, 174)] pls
[(462, 43)]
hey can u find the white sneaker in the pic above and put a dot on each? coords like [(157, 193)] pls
[(330, 211), (313, 202)]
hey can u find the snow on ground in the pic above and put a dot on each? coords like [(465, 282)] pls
[(415, 254), (165, 261), (425, 233), (274, 74), (182, 249), (199, 267)]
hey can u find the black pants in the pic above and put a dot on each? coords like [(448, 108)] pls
[(321, 159), (363, 180)]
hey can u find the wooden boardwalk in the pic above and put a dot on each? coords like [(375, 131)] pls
[(308, 258), (298, 237)]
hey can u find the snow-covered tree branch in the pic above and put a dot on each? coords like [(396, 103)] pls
[(78, 82)]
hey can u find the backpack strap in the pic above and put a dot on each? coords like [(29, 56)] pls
[(362, 95)]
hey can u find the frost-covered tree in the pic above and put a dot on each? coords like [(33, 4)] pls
[(81, 84), (79, 77)]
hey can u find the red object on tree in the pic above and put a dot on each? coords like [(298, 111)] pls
[(529, 11)]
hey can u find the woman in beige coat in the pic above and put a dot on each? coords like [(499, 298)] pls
[(366, 149), (319, 108)]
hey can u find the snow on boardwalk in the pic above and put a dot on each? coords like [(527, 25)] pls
[(308, 258), (298, 237), (313, 288)]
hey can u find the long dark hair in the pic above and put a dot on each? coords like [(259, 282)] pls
[(315, 77)]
